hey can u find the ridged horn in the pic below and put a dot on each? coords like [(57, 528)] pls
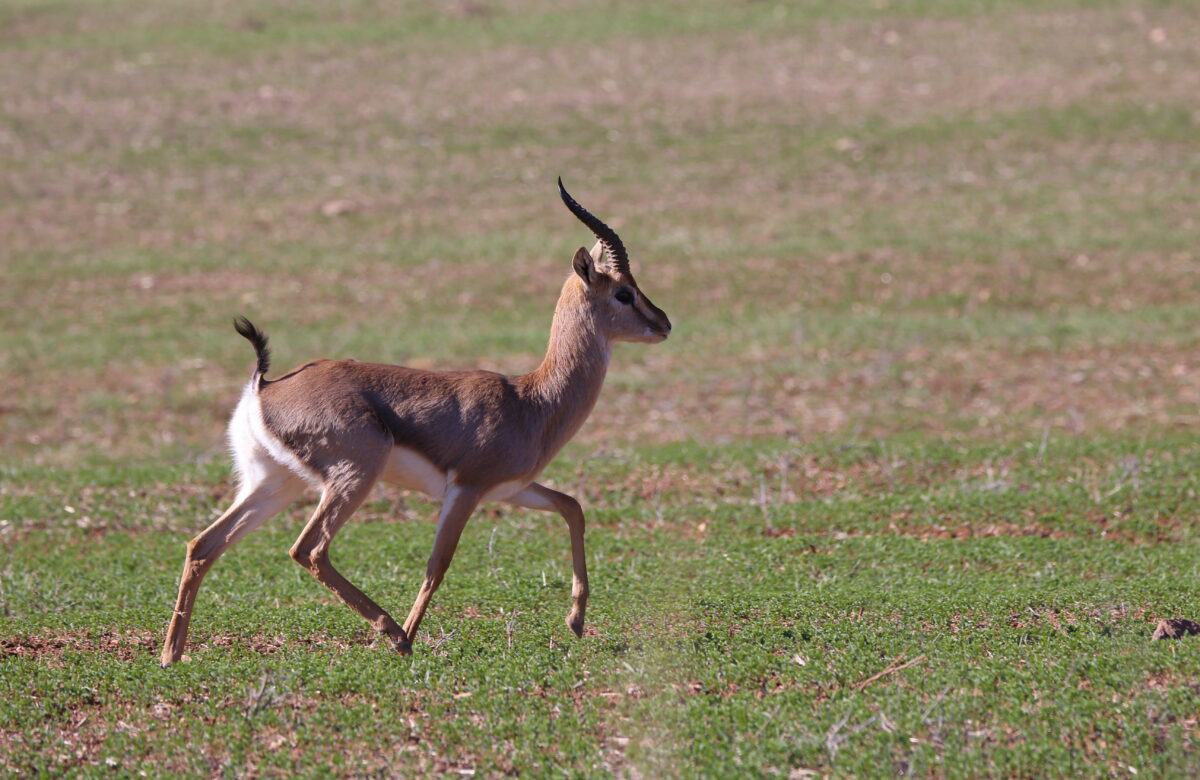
[(618, 260)]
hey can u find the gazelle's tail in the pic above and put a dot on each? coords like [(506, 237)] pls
[(248, 331)]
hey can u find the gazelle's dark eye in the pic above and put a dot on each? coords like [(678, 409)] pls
[(624, 295)]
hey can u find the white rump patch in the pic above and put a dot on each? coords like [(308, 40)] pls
[(257, 454)]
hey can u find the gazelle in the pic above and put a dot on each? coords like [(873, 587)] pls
[(462, 437)]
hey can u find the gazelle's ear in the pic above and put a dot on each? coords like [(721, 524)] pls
[(585, 267), (597, 254)]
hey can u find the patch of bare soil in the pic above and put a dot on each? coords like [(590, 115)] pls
[(125, 646), (139, 646), (985, 391), (148, 153)]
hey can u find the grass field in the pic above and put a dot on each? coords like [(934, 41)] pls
[(905, 493)]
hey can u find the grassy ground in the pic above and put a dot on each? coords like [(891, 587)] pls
[(905, 492)]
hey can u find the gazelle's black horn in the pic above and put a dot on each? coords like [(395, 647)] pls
[(613, 248)]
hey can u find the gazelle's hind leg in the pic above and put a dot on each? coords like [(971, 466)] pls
[(344, 490), (255, 504)]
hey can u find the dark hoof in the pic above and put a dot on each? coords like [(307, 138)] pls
[(576, 625), (399, 640)]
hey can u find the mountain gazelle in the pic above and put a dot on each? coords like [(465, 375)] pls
[(462, 437)]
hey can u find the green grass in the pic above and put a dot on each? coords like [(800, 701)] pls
[(740, 647), (905, 493), (251, 29)]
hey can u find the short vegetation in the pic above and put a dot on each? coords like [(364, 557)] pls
[(905, 493)]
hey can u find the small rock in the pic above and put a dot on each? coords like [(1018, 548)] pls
[(338, 208), (468, 8), (1175, 628), (250, 23)]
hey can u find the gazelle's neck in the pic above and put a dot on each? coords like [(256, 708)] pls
[(564, 388)]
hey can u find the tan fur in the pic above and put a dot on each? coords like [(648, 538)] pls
[(461, 436)]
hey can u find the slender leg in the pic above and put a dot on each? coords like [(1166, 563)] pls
[(541, 497), (251, 509), (457, 507), (341, 497)]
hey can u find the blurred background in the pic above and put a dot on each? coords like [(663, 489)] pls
[(955, 218), (905, 492)]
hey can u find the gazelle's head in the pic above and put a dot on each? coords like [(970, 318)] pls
[(609, 290)]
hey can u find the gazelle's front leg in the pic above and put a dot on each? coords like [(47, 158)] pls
[(457, 507), (541, 497)]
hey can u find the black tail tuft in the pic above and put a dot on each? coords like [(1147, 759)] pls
[(248, 331)]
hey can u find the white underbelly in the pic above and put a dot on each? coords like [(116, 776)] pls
[(504, 490), (413, 471)]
